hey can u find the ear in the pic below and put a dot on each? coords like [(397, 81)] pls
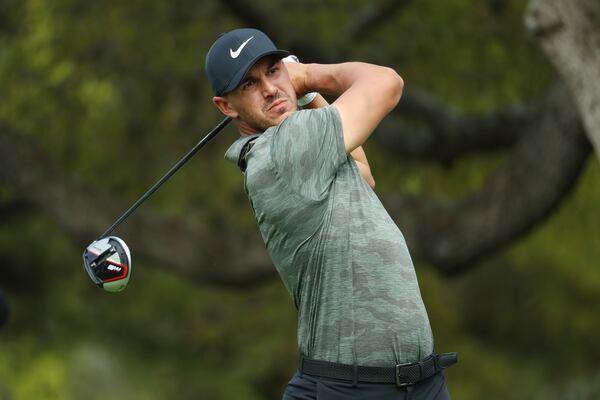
[(225, 106)]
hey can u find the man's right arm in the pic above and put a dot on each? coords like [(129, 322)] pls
[(366, 94)]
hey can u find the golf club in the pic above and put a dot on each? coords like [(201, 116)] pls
[(107, 260)]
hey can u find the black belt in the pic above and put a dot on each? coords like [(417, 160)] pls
[(401, 374)]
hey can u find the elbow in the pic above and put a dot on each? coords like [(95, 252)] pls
[(368, 177), (396, 87), (371, 183), (400, 86)]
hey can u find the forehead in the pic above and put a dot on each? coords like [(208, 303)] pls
[(262, 64), (255, 72)]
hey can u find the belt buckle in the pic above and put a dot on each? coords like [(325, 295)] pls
[(398, 367)]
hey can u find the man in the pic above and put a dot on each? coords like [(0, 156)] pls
[(363, 330)]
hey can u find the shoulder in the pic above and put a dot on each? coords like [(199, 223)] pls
[(311, 116), (308, 124)]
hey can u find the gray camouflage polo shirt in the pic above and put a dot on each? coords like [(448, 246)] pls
[(340, 255)]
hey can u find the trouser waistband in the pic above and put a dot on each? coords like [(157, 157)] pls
[(401, 374)]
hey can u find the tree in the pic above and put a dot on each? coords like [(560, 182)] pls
[(487, 145), (523, 192)]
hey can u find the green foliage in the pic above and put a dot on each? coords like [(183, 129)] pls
[(115, 91)]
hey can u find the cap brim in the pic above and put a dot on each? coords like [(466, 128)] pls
[(241, 74)]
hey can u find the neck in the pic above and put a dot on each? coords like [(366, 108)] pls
[(246, 130)]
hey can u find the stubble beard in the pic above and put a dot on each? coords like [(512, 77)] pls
[(260, 122)]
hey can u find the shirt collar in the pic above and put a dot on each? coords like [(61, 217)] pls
[(237, 151)]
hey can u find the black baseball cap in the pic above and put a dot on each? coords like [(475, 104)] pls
[(233, 54)]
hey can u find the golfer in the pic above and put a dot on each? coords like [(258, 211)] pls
[(363, 331)]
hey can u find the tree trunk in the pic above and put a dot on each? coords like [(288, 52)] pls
[(569, 33)]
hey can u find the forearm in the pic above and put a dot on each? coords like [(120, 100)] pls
[(365, 93), (337, 79)]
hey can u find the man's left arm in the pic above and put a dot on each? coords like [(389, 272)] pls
[(357, 154)]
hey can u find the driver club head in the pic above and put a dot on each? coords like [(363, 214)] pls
[(108, 263)]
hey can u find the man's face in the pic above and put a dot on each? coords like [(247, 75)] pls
[(264, 98)]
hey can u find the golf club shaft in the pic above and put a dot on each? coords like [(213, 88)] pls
[(170, 173)]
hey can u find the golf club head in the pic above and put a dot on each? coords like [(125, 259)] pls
[(108, 263)]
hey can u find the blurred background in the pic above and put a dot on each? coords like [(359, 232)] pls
[(485, 165)]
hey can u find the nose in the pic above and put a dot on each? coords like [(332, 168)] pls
[(268, 88)]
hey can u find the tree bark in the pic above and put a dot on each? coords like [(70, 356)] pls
[(569, 32)]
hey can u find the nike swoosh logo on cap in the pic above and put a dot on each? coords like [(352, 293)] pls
[(235, 54)]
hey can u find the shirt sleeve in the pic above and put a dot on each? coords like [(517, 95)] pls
[(308, 149)]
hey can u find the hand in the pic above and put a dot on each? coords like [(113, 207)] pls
[(297, 74)]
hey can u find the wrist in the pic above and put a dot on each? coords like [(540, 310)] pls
[(299, 81)]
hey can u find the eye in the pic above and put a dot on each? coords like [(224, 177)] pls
[(273, 70), (247, 85)]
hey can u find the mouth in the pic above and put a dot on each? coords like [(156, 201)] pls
[(276, 104)]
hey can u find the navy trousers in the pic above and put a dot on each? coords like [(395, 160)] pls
[(309, 387)]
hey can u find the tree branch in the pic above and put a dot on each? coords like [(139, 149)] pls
[(438, 132), (539, 173), (284, 37), (446, 135), (372, 18), (13, 209)]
